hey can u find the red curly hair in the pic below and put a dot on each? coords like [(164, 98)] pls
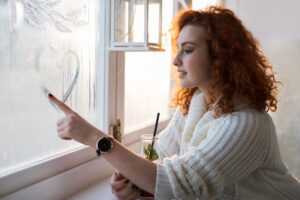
[(242, 70)]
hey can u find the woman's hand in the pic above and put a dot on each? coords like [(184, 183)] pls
[(123, 188), (73, 126)]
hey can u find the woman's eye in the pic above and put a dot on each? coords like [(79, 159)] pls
[(187, 51)]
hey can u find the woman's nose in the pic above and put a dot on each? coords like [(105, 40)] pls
[(177, 61)]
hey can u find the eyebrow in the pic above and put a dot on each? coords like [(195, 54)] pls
[(187, 42)]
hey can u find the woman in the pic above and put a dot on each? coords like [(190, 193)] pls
[(221, 143)]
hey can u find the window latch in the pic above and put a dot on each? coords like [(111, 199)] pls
[(115, 130)]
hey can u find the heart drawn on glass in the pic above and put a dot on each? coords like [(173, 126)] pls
[(56, 73)]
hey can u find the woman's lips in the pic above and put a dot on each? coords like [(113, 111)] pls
[(182, 74)]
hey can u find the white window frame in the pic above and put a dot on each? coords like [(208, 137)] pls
[(64, 174)]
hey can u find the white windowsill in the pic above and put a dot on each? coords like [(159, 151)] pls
[(98, 191)]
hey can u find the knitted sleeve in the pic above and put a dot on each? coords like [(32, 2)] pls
[(235, 146), (170, 137)]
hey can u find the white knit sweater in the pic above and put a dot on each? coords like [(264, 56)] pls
[(235, 156)]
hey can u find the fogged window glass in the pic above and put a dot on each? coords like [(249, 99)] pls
[(45, 46)]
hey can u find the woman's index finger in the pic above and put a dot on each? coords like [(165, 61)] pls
[(63, 107)]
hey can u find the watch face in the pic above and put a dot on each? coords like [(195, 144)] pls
[(104, 144)]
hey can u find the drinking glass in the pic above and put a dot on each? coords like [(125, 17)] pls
[(148, 152)]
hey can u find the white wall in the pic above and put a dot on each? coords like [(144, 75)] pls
[(275, 23)]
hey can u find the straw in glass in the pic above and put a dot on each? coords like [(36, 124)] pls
[(154, 134)]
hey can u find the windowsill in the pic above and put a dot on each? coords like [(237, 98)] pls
[(99, 190)]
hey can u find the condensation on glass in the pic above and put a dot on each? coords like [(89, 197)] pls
[(45, 46)]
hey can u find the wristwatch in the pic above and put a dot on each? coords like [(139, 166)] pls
[(104, 145)]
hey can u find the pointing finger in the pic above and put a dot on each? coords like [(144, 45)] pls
[(63, 107)]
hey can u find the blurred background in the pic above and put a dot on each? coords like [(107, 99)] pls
[(275, 25)]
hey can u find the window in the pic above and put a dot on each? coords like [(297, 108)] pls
[(45, 47), (61, 47), (136, 24), (196, 4), (147, 88), (144, 82), (148, 77), (205, 3)]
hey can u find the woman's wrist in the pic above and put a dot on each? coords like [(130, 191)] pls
[(94, 138)]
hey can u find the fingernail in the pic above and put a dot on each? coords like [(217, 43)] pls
[(127, 181), (50, 95)]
